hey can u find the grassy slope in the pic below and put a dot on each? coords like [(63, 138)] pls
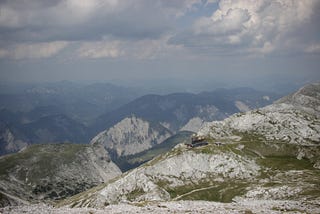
[(47, 159)]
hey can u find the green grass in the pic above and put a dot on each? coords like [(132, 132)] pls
[(135, 194), (222, 193), (285, 163), (209, 191)]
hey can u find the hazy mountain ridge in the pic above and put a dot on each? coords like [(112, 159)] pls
[(42, 125), (51, 172), (175, 110), (81, 102), (245, 160)]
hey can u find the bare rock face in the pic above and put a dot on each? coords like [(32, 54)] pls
[(193, 125), (131, 135), (8, 142), (53, 171)]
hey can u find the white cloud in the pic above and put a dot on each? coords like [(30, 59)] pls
[(231, 22), (314, 48), (33, 51), (101, 49), (250, 26)]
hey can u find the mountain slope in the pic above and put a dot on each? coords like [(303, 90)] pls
[(246, 159), (55, 128), (130, 136), (39, 126), (53, 171), (293, 119)]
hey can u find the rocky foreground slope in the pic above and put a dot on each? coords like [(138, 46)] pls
[(268, 154), (53, 171), (246, 206)]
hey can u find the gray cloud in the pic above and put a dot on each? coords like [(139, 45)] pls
[(100, 28), (49, 20)]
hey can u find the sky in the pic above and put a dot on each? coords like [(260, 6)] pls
[(195, 44)]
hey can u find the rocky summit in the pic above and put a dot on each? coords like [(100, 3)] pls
[(53, 171), (269, 154)]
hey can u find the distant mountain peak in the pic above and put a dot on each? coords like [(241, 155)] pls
[(131, 135)]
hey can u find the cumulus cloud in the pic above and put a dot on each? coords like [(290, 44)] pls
[(32, 51), (249, 26)]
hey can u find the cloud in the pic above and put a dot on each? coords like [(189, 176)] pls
[(101, 49), (314, 48), (144, 29), (229, 23), (100, 28), (33, 51), (250, 27), (49, 20), (142, 49)]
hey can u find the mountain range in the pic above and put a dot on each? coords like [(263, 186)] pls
[(175, 110), (267, 155), (50, 113), (81, 102)]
